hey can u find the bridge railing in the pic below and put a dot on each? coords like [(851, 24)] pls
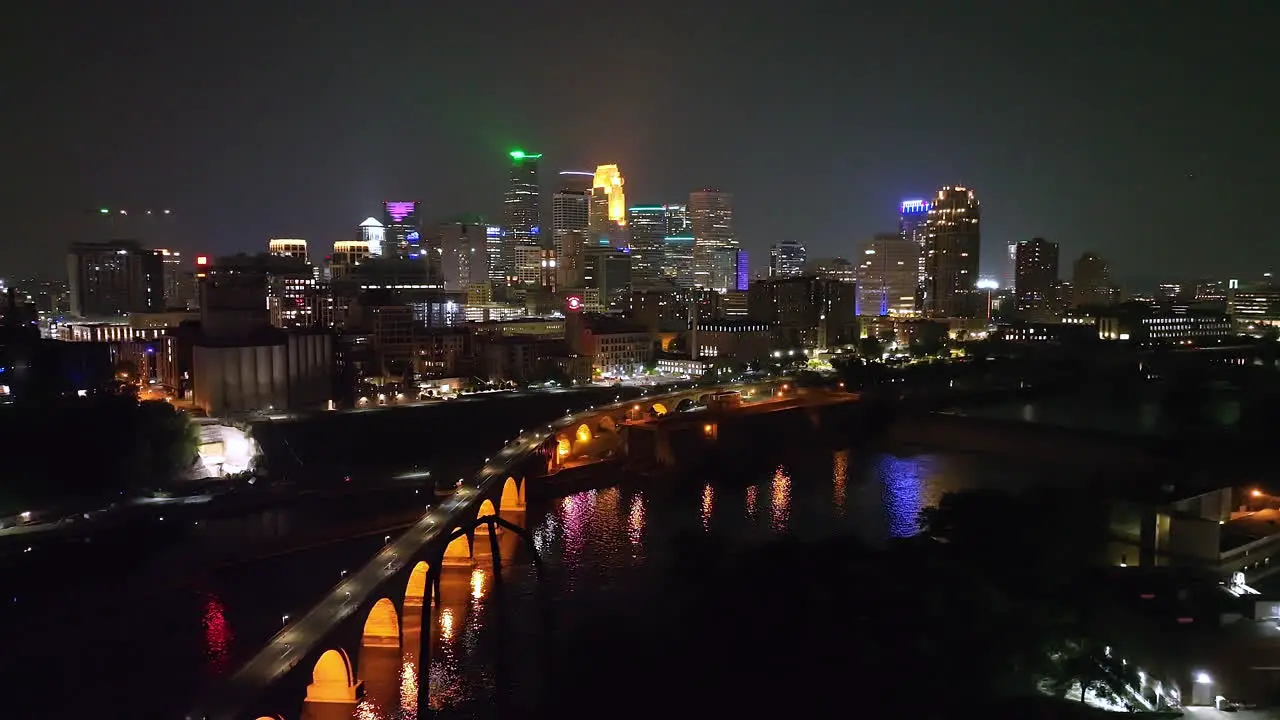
[(297, 640)]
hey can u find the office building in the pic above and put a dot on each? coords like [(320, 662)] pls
[(1035, 283), (295, 248), (608, 212), (346, 255), (786, 259), (834, 268), (373, 233), (912, 217), (886, 276), (463, 250), (677, 260), (677, 219), (953, 240), (174, 280), (711, 224), (114, 278), (521, 206), (647, 226), (401, 229)]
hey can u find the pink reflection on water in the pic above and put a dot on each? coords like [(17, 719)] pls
[(752, 492), (635, 520), (840, 480), (217, 636)]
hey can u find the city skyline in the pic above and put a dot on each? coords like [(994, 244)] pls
[(1111, 143)]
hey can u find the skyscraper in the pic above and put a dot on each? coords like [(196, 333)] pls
[(1035, 284), (952, 243), (677, 259), (570, 213), (912, 215), (711, 224), (522, 203), (647, 225), (1091, 281), (401, 233), (887, 276), (608, 217), (373, 233), (677, 218), (786, 259)]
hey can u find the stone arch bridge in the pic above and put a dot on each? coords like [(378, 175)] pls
[(370, 610)]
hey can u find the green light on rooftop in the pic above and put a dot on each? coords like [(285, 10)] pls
[(522, 155), (104, 211)]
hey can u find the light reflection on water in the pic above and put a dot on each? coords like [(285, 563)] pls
[(780, 500), (599, 541)]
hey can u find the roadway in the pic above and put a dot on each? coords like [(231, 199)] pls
[(302, 636)]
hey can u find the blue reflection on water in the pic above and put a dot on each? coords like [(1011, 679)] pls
[(903, 499)]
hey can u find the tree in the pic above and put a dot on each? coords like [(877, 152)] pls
[(870, 349)]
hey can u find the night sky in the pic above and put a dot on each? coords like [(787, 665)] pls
[(1144, 130)]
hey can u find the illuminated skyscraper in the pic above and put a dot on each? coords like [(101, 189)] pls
[(522, 205), (786, 259), (373, 233), (952, 243), (677, 259), (677, 219), (608, 218), (401, 233), (912, 215), (711, 224), (647, 225)]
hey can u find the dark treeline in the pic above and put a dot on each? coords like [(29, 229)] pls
[(986, 613), (83, 452)]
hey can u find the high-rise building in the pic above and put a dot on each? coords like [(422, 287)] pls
[(295, 248), (1091, 281), (496, 269), (401, 231), (570, 260), (952, 243), (608, 270), (834, 268), (786, 259), (463, 249), (912, 217), (521, 207), (373, 233), (1035, 284), (346, 255), (886, 276), (677, 260), (113, 278), (647, 225), (711, 224), (742, 272), (172, 273), (608, 219), (570, 213), (1010, 265)]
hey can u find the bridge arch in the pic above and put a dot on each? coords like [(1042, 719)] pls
[(382, 626), (583, 434), (486, 510), (457, 552), (418, 589), (607, 424), (332, 680), (659, 409), (512, 495)]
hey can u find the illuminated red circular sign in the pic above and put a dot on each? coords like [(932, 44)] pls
[(575, 303)]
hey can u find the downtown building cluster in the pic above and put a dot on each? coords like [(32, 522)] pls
[(572, 283)]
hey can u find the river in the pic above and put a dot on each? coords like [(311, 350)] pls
[(147, 654)]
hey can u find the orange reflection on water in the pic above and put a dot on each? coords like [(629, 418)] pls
[(708, 504), (751, 502), (635, 520), (840, 479), (447, 621), (780, 499), (408, 688), (367, 710), (479, 582)]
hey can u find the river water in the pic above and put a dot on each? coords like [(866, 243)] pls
[(495, 650)]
